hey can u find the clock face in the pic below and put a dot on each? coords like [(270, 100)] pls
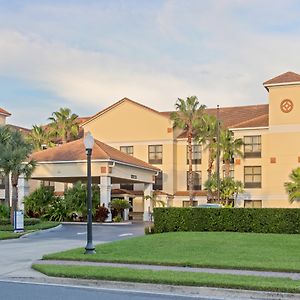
[(286, 105)]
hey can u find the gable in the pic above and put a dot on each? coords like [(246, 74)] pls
[(127, 120)]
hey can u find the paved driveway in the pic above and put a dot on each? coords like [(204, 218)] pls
[(16, 256)]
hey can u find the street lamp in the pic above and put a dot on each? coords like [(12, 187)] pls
[(89, 143)]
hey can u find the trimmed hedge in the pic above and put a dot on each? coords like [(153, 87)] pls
[(259, 220)]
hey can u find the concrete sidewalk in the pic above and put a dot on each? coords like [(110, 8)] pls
[(291, 275)]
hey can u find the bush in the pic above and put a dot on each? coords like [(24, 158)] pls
[(119, 205), (76, 199), (101, 213), (31, 221), (37, 203), (259, 220), (4, 211), (117, 219)]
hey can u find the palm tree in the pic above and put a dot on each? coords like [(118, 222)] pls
[(206, 134), (4, 138), (188, 117), (13, 156), (230, 148), (64, 124), (293, 187), (39, 137)]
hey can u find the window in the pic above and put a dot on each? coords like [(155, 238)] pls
[(126, 186), (127, 149), (158, 184), (196, 154), (252, 177), (155, 154), (196, 176), (253, 204), (252, 146), (187, 203), (231, 172)]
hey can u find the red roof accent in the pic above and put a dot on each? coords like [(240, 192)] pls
[(195, 193), (283, 78), (4, 112)]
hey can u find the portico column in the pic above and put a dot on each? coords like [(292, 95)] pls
[(148, 187), (105, 193), (23, 190), (126, 211)]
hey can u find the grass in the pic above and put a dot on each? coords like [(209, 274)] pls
[(5, 235), (6, 231), (172, 277), (275, 252)]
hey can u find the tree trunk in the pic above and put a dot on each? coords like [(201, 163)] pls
[(14, 196), (7, 190), (190, 172), (210, 162), (227, 168)]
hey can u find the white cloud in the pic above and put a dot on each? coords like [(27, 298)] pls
[(221, 51)]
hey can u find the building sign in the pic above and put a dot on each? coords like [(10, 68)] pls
[(133, 177), (19, 221)]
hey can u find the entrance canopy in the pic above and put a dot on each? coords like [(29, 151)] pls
[(67, 163)]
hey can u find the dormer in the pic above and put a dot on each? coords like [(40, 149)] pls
[(284, 99), (3, 115)]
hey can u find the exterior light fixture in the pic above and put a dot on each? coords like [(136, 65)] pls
[(89, 143)]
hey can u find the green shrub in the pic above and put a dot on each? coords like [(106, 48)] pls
[(5, 221), (117, 219), (76, 199), (101, 213), (119, 205), (4, 211), (260, 220), (31, 221), (58, 211), (37, 203)]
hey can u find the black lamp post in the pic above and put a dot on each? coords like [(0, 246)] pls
[(89, 143)]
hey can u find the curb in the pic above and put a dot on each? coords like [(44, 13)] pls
[(97, 224), (148, 288), (38, 231)]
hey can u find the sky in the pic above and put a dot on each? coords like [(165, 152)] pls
[(88, 54)]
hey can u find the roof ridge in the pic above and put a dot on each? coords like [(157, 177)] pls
[(116, 104)]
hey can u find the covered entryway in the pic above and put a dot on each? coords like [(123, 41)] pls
[(67, 163)]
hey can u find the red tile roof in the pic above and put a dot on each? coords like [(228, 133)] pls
[(75, 151), (240, 116), (283, 78), (4, 112), (195, 193)]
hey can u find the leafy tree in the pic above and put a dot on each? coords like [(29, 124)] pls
[(188, 116), (293, 187), (13, 156), (39, 137), (119, 205), (206, 135), (230, 148), (64, 124)]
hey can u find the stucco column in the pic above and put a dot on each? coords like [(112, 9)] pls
[(126, 211), (105, 193), (23, 190), (148, 187)]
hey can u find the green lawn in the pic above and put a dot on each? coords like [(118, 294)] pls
[(6, 231), (5, 235), (278, 252), (172, 277)]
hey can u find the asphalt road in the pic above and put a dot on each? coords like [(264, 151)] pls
[(16, 256), (28, 291)]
